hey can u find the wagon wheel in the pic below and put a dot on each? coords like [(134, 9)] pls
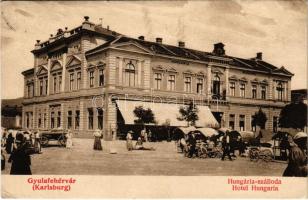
[(44, 141), (266, 155), (254, 155), (218, 154), (202, 152), (62, 140)]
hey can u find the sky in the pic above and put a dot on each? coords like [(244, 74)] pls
[(276, 28)]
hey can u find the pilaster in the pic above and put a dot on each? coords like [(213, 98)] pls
[(139, 66), (208, 81), (48, 76), (63, 72), (147, 72), (120, 71)]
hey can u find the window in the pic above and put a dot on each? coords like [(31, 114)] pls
[(54, 84), (187, 84), (46, 86), (216, 85), (242, 123), (157, 81), (130, 74), (69, 119), (77, 118), (253, 124), (59, 120), (52, 120), (78, 80), (242, 90), (91, 74), (71, 81), (263, 92), (27, 120), (41, 87), (100, 119), (199, 85), (60, 83), (254, 91), (101, 77), (171, 83), (39, 124), (90, 118), (280, 91), (231, 121), (232, 89), (44, 121), (275, 124)]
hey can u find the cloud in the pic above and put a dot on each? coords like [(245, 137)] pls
[(6, 40), (237, 24), (24, 13), (294, 5), (226, 7)]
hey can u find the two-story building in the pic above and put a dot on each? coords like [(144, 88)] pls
[(92, 78)]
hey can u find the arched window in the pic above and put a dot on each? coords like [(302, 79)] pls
[(280, 91), (130, 74), (216, 85)]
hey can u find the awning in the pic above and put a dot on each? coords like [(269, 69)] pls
[(164, 112), (208, 132)]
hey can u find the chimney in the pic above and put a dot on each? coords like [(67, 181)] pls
[(181, 44), (86, 18), (37, 45), (219, 49), (159, 40), (108, 27), (259, 55), (141, 37)]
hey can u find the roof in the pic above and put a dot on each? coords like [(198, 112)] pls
[(28, 71), (181, 52)]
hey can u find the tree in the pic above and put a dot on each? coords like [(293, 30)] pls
[(293, 115), (259, 118), (145, 116), (189, 114)]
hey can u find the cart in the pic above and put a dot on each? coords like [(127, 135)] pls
[(263, 152), (56, 135)]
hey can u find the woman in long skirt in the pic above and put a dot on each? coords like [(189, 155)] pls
[(69, 141), (129, 141), (97, 140)]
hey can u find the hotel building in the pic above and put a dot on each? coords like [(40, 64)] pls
[(81, 76)]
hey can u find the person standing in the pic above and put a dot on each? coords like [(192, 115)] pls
[(192, 142), (69, 140), (20, 157), (226, 146), (142, 134), (97, 140), (150, 136), (9, 143), (297, 165), (129, 141), (37, 142)]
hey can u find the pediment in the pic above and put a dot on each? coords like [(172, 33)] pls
[(131, 46), (216, 71), (56, 65), (243, 79), (200, 73), (73, 61), (42, 70), (255, 80), (171, 69), (233, 77), (188, 72), (158, 68)]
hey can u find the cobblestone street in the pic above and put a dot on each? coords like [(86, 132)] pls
[(83, 160)]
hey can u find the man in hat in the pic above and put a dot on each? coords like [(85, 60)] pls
[(226, 146), (20, 157)]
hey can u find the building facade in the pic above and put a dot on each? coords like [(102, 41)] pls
[(79, 75)]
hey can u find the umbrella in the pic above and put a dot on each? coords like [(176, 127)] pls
[(208, 132), (300, 135), (247, 134)]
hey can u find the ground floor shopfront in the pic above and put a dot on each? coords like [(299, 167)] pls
[(112, 112)]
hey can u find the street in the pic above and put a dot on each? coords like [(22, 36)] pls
[(83, 160)]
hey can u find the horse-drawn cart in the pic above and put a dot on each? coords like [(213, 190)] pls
[(55, 135)]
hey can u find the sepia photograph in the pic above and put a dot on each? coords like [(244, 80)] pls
[(154, 89)]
